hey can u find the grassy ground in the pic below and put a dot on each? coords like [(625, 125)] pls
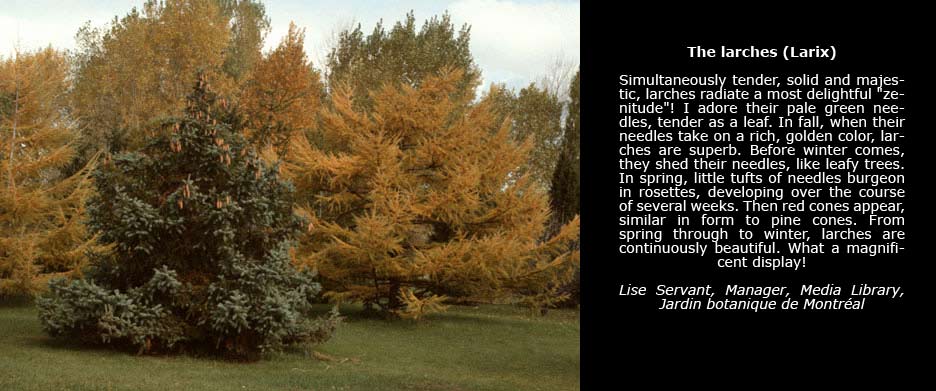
[(467, 348)]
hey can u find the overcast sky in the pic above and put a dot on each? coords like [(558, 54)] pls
[(513, 41)]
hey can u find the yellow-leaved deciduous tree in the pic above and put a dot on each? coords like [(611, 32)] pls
[(415, 203), (283, 94), (41, 232), (142, 66)]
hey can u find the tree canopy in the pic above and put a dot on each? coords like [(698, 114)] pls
[(283, 94), (565, 190), (140, 67), (41, 208), (415, 202), (402, 55)]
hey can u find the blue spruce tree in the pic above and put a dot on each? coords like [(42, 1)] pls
[(200, 230)]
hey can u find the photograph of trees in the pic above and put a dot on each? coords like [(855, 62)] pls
[(187, 202)]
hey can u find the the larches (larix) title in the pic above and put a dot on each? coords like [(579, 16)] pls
[(788, 52)]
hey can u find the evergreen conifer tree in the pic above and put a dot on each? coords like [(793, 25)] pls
[(565, 192), (201, 230)]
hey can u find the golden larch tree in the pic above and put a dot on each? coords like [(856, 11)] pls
[(417, 201), (41, 232), (283, 94)]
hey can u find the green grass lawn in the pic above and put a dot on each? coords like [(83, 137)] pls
[(466, 348)]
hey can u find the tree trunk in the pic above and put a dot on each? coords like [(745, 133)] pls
[(394, 292)]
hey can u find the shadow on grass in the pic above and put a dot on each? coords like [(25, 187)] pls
[(127, 350), (16, 302), (64, 344), (35, 338), (475, 317), (456, 314), (484, 314), (488, 314)]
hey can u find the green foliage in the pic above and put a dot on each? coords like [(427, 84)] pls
[(96, 314), (534, 114), (565, 192), (249, 25), (402, 55), (539, 117), (201, 231)]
